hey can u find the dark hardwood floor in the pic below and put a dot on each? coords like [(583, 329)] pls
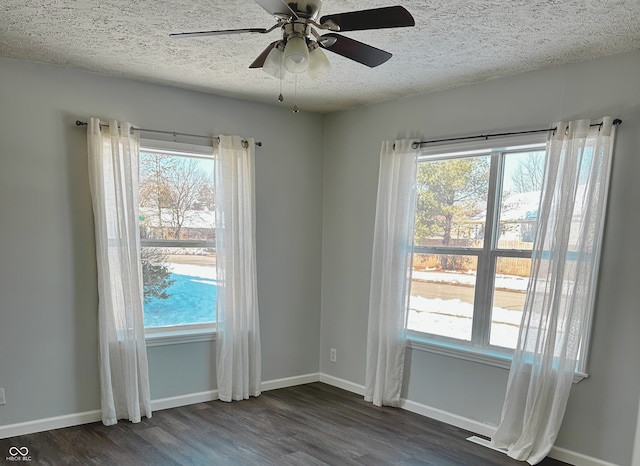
[(314, 424)]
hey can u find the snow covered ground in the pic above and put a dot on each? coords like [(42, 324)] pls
[(450, 317), (202, 271), (503, 282)]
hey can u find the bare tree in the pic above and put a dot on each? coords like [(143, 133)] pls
[(176, 187), (528, 176), (154, 185)]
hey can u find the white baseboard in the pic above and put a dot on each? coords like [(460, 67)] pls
[(76, 419), (57, 422), (183, 400), (477, 427), (341, 383), (561, 454), (290, 381), (465, 423), (573, 457), (211, 395)]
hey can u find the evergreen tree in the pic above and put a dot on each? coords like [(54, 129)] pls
[(450, 193), (156, 275)]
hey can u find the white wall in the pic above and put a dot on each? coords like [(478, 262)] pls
[(601, 416), (48, 293)]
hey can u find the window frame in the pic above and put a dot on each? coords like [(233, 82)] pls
[(189, 333), (479, 349)]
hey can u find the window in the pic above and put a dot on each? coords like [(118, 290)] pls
[(475, 224), (177, 237)]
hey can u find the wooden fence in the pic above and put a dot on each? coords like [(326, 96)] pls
[(517, 266)]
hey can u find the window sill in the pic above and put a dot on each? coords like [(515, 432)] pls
[(490, 358), (177, 337)]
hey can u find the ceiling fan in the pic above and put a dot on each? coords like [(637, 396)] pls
[(299, 50)]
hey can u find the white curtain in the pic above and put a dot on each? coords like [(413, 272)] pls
[(238, 356), (390, 272), (561, 288), (113, 177)]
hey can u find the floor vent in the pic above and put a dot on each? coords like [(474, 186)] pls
[(485, 443)]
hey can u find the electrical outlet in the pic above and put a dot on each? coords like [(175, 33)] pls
[(2, 400), (333, 355)]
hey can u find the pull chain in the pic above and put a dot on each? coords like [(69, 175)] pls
[(295, 95), (281, 97)]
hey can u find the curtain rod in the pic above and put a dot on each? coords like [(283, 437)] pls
[(174, 133), (415, 145)]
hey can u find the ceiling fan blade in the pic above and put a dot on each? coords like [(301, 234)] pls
[(259, 62), (376, 18), (354, 50), (277, 7), (186, 35)]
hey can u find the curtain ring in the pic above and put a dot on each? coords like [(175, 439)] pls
[(394, 146), (245, 144)]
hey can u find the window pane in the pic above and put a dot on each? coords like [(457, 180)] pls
[(442, 295), (177, 198), (509, 293), (179, 286), (523, 173), (452, 202)]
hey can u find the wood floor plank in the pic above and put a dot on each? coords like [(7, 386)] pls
[(301, 458), (314, 424)]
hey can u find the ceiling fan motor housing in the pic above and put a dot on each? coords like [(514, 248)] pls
[(307, 9), (296, 28)]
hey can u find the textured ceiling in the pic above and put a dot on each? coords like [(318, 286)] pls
[(455, 42)]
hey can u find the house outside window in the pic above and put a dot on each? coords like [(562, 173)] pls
[(475, 224), (177, 238)]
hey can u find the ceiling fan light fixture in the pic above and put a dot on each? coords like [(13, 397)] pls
[(318, 62), (296, 54), (273, 63)]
